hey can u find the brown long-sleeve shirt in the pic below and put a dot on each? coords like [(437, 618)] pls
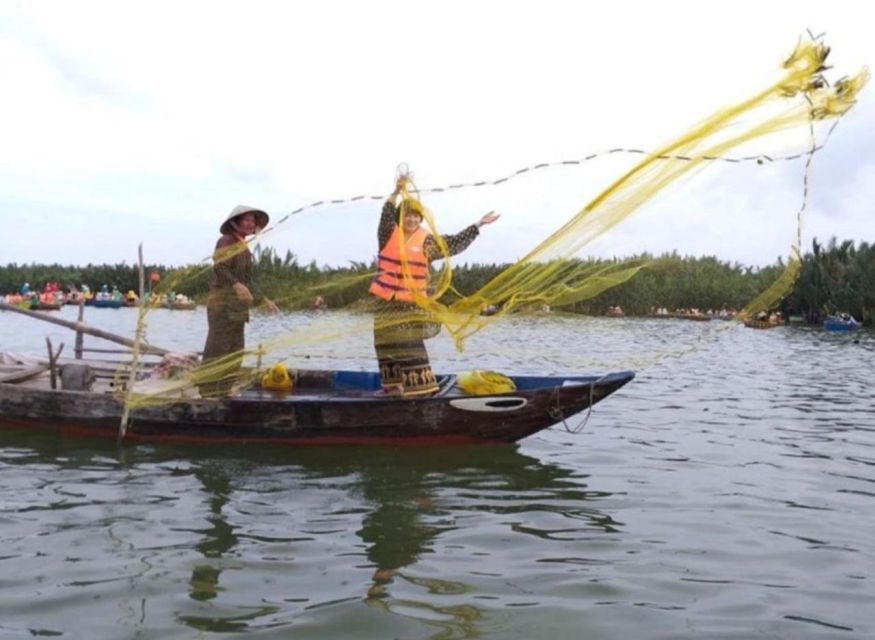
[(228, 269)]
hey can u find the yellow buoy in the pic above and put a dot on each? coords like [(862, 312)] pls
[(482, 383), (277, 378)]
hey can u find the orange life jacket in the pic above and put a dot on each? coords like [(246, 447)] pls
[(391, 280)]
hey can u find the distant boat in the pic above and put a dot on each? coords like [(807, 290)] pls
[(700, 317), (182, 306), (761, 324), (107, 303), (835, 323), (44, 306)]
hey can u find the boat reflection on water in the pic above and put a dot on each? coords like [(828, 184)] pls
[(314, 533), (404, 500), (218, 538)]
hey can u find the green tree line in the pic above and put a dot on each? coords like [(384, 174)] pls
[(835, 277)]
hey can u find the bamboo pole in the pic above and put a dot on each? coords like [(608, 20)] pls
[(135, 355), (142, 278), (79, 348), (53, 363), (84, 328)]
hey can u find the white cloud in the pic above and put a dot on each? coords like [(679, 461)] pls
[(160, 118)]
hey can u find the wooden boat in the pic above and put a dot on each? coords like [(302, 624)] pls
[(45, 306), (323, 407), (761, 324), (835, 323), (182, 306), (700, 317)]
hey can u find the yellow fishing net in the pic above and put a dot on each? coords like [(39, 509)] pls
[(553, 273)]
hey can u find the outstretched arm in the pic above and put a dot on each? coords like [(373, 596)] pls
[(488, 218), (458, 242)]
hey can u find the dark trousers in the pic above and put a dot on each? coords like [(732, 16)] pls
[(226, 336)]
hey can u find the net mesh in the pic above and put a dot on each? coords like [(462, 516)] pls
[(553, 274)]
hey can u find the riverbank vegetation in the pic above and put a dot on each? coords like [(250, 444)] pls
[(835, 277)]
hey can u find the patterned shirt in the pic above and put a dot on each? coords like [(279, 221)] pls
[(456, 243)]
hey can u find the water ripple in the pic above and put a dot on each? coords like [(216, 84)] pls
[(726, 493)]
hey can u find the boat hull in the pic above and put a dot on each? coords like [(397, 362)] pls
[(762, 324), (834, 324), (45, 306), (106, 304), (338, 410)]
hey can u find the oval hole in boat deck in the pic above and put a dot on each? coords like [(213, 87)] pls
[(510, 403), (489, 404)]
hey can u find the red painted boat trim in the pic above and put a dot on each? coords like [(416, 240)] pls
[(132, 436)]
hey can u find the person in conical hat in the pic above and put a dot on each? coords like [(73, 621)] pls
[(406, 250), (232, 293), (234, 219)]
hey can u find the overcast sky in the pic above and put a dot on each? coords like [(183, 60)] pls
[(147, 122)]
